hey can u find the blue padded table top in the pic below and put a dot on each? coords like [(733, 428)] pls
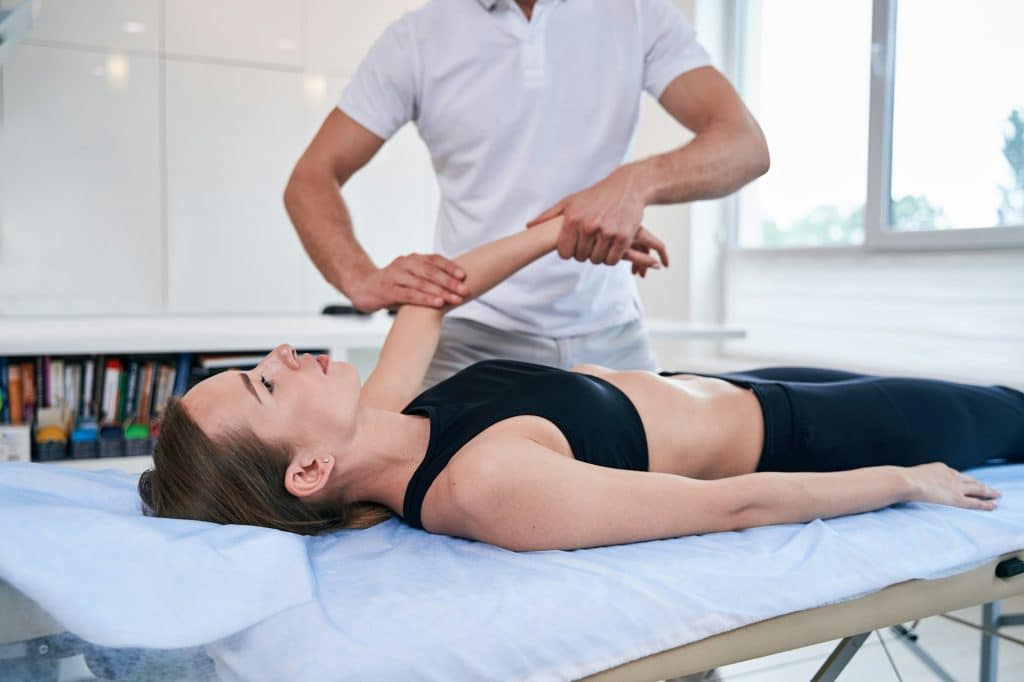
[(393, 601)]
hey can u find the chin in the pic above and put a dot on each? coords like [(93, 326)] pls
[(337, 366)]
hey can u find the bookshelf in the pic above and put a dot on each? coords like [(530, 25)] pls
[(352, 338)]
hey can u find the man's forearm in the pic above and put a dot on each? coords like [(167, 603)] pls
[(322, 221), (714, 164)]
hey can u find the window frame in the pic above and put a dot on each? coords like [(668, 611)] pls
[(878, 234)]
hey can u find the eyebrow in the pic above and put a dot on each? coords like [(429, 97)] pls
[(248, 384)]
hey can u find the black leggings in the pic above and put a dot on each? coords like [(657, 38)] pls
[(828, 420)]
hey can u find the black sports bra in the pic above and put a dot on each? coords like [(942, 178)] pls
[(599, 421)]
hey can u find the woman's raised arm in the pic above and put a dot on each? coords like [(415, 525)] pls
[(411, 343)]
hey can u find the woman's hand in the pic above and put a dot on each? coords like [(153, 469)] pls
[(941, 484)]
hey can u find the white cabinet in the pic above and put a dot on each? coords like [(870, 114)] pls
[(80, 183), (233, 136), (262, 31), (109, 24)]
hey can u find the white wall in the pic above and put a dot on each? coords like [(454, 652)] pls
[(146, 143), (145, 146), (957, 315)]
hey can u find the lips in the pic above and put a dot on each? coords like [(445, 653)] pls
[(324, 362)]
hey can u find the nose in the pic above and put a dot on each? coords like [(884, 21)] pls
[(285, 354)]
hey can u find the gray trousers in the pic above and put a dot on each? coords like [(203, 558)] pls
[(464, 342)]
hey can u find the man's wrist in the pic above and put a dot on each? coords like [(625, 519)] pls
[(355, 273), (646, 177)]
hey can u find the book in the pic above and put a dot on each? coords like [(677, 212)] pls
[(99, 385), (122, 397), (182, 373), (14, 395), (88, 378), (131, 392), (111, 384), (73, 385), (56, 382), (40, 384), (28, 388), (5, 412), (146, 379), (164, 388)]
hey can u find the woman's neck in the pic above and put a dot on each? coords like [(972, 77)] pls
[(381, 457)]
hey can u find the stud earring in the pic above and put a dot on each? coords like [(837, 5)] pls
[(325, 460)]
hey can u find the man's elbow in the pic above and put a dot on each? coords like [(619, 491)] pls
[(303, 179), (759, 159)]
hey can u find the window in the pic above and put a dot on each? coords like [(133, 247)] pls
[(890, 124)]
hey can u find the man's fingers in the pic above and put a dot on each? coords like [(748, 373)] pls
[(602, 245), (430, 272), (451, 267), (585, 246), (417, 297), (547, 215), (619, 244), (567, 241)]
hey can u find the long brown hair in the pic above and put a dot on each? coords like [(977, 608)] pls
[(236, 478)]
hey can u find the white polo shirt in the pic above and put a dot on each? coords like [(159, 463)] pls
[(516, 115)]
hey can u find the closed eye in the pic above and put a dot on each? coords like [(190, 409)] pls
[(269, 385)]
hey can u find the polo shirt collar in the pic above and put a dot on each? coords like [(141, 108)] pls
[(488, 4)]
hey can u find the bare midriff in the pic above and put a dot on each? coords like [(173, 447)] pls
[(696, 426)]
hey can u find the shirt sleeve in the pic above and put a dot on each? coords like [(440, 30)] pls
[(382, 95), (670, 45)]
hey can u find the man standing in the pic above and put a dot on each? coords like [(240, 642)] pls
[(528, 108)]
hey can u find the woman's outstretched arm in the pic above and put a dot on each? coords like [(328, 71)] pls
[(548, 501), (412, 340)]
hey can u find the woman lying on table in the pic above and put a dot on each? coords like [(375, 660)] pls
[(529, 457)]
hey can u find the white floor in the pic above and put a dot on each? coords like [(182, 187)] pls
[(955, 647)]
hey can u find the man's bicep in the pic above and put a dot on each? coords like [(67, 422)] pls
[(701, 97), (342, 146)]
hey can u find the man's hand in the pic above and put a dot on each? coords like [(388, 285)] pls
[(420, 279), (602, 222)]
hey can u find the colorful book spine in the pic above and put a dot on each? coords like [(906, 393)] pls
[(122, 397), (88, 379), (182, 373), (131, 392), (146, 391), (56, 382), (42, 369), (111, 384), (15, 397), (5, 411), (28, 380)]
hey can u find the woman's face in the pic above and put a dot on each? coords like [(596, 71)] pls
[(299, 400)]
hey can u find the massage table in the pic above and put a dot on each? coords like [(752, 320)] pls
[(234, 602)]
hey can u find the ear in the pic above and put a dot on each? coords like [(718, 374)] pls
[(307, 474)]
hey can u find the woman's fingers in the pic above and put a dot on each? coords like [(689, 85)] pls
[(975, 503), (645, 238), (641, 259)]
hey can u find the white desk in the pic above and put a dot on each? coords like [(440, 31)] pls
[(86, 335)]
